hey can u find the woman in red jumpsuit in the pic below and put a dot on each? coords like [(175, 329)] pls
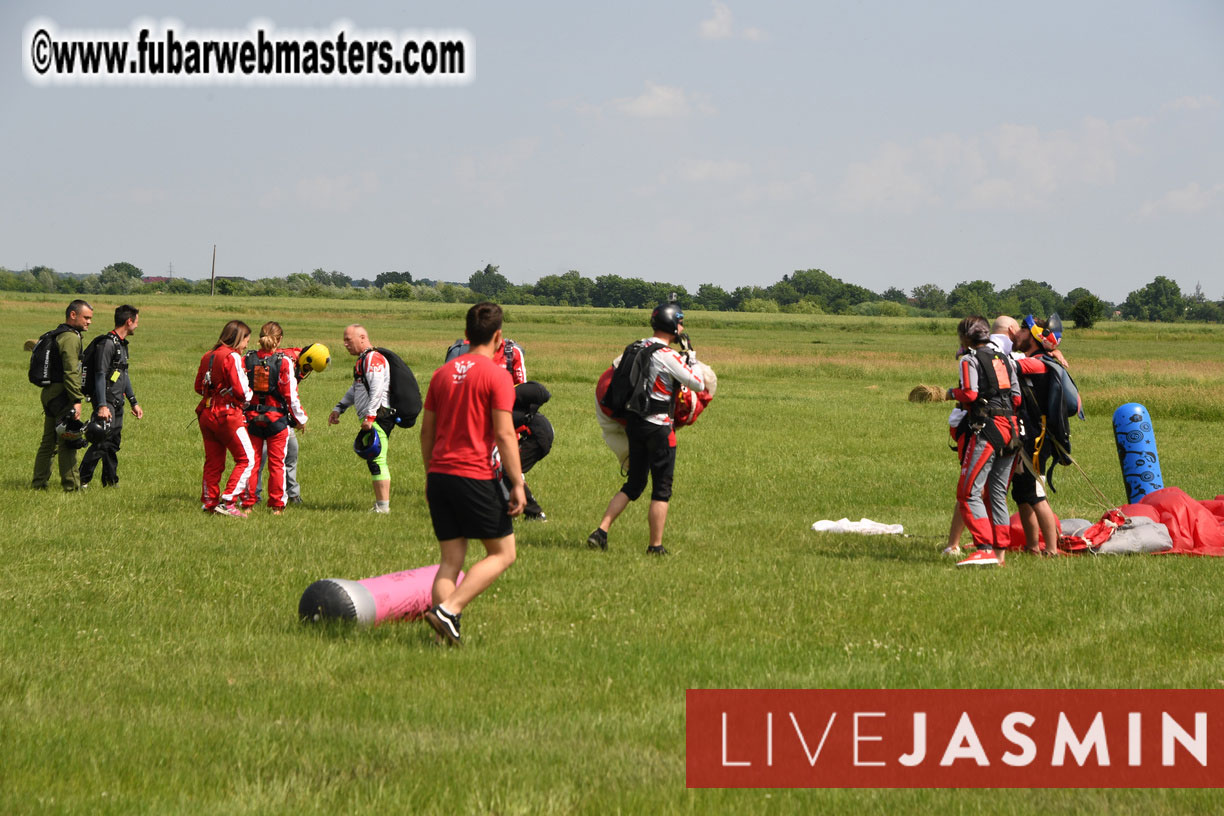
[(222, 383)]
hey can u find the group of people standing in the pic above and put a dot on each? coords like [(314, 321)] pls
[(481, 428), (249, 407), (1000, 430)]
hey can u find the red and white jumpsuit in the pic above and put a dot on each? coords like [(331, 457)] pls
[(986, 466), (286, 400), (222, 382)]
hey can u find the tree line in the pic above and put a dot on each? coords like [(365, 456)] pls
[(808, 291)]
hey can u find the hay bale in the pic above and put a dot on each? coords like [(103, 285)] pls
[(927, 393)]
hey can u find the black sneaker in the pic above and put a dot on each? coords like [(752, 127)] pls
[(295, 499), (535, 516), (444, 623), (659, 550), (598, 540)]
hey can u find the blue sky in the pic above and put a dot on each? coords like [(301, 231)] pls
[(888, 143)]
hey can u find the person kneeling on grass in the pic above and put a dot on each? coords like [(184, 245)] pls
[(468, 412), (987, 440)]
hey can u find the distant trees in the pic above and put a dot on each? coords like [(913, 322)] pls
[(930, 297), (384, 278), (570, 289), (488, 282), (1087, 311), (1161, 300), (805, 291)]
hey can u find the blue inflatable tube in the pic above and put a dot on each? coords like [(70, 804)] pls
[(1137, 451)]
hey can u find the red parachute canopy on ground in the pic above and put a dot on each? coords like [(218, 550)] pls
[(1197, 527)]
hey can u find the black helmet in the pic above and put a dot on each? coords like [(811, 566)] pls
[(667, 317), (96, 428), (71, 431)]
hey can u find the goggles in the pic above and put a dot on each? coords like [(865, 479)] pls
[(1048, 337)]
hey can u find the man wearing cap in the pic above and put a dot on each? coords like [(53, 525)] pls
[(369, 392)]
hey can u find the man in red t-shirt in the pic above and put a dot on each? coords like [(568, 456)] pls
[(468, 412)]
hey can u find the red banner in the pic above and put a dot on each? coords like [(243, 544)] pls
[(946, 738)]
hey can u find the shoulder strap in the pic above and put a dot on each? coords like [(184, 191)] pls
[(510, 346), (985, 358), (360, 367)]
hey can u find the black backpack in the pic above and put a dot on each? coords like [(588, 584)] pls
[(404, 396), (46, 366), (628, 392)]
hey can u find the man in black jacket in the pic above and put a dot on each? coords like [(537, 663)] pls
[(106, 365)]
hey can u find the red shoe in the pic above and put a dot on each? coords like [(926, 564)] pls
[(982, 558)]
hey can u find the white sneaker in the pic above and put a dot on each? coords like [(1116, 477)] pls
[(376, 509)]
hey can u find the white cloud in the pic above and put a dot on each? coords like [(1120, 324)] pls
[(1189, 200), (893, 181), (662, 101), (1010, 167), (336, 193), (722, 26), (1193, 103)]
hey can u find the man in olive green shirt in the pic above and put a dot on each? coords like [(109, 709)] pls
[(59, 398)]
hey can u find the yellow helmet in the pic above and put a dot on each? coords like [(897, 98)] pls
[(314, 357)]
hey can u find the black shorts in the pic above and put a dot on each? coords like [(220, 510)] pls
[(1025, 487), (467, 508), (652, 452)]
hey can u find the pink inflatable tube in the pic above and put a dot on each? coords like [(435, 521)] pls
[(370, 601)]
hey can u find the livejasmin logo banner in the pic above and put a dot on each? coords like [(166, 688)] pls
[(947, 738)]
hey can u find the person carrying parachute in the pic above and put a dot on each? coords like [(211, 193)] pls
[(386, 396), (643, 391)]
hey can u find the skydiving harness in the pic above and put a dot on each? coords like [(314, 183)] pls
[(265, 375), (115, 364), (211, 392), (994, 400), (461, 346)]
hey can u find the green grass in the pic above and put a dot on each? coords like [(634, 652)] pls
[(152, 662)]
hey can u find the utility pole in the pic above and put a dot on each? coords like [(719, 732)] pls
[(212, 288)]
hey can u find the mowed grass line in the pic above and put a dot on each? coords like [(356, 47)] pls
[(152, 660)]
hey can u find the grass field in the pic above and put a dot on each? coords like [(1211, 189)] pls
[(151, 660)]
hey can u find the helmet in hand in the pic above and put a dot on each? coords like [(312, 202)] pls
[(71, 431)]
